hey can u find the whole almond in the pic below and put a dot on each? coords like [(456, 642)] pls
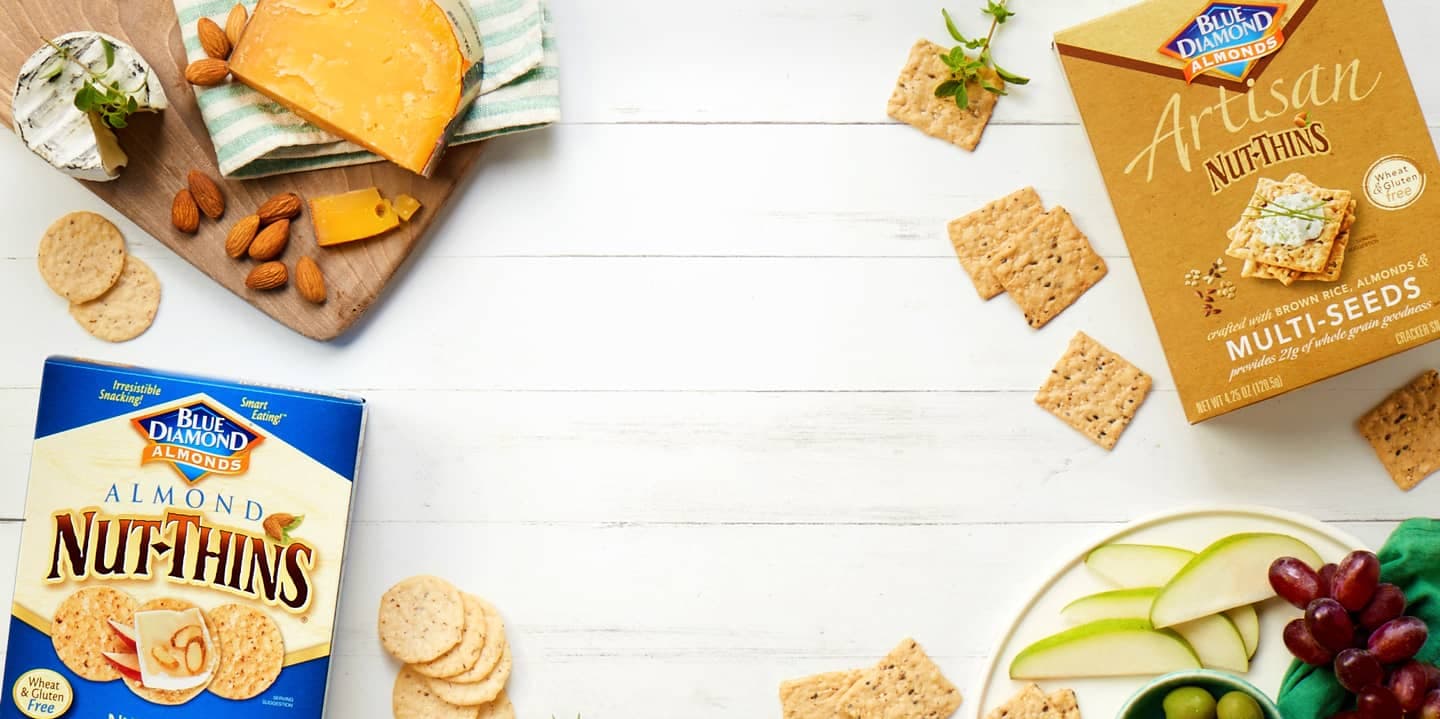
[(235, 24), (284, 206), (268, 276), (237, 243), (184, 214), (309, 280), (207, 72), (213, 39), (271, 241), (207, 194)]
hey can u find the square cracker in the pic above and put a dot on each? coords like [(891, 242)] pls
[(1048, 266), (915, 104), (904, 685), (1312, 256), (1031, 703), (1333, 267), (1405, 431), (816, 697), (979, 235), (1094, 390)]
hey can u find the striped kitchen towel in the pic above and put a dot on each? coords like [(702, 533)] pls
[(254, 136)]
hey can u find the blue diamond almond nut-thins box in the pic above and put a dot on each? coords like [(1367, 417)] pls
[(182, 547), (1269, 164)]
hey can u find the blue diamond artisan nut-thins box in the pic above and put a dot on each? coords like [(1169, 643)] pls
[(1269, 164), (182, 547)]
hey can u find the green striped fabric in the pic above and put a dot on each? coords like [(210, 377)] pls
[(255, 137)]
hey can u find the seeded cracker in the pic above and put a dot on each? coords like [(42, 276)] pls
[(252, 652), (495, 645), (1094, 390), (914, 100), (412, 699), (81, 256), (979, 235), (127, 310), (1048, 266), (481, 692), (1405, 431), (1031, 703), (904, 685), (1333, 267), (466, 655), (1311, 256), (421, 618), (81, 631), (174, 697), (816, 697)]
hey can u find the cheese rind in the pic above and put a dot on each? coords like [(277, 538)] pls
[(47, 120), (389, 75), (351, 216)]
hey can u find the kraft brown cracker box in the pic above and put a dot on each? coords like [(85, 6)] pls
[(1269, 166), (182, 547)]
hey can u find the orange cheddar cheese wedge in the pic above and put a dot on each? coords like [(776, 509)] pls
[(389, 75), (351, 216)]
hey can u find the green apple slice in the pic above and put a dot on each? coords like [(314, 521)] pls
[(1107, 648), (1119, 604), (1131, 566), (1230, 573), (1247, 622), (1217, 642)]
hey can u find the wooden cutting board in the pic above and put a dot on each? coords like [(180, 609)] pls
[(164, 148)]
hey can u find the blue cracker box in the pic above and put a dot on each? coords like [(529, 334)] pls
[(182, 547)]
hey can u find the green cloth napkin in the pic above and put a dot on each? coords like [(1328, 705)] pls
[(1411, 561), (254, 137)]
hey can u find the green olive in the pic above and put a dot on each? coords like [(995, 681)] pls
[(1189, 703), (1239, 705)]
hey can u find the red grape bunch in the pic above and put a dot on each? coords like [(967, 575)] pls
[(1357, 625)]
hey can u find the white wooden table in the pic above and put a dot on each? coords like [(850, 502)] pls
[(692, 386)]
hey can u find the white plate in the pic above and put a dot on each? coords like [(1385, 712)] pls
[(1190, 529)]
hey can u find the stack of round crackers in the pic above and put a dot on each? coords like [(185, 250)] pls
[(82, 257), (457, 660)]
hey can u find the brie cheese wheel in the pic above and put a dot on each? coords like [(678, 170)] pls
[(79, 143)]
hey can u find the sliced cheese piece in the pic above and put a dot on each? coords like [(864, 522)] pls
[(77, 143), (389, 75), (406, 207), (351, 216)]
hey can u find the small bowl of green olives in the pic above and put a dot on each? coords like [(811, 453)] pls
[(1201, 694)]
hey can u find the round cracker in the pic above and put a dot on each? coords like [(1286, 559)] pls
[(481, 692), (127, 310), (412, 699), (501, 708), (81, 631), (252, 652), (466, 655), (174, 697), (495, 644), (421, 619), (81, 256)]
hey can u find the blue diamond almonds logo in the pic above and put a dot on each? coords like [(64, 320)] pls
[(197, 440), (1227, 39)]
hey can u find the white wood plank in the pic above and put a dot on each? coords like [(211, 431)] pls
[(632, 323), (828, 60), (640, 622), (894, 458)]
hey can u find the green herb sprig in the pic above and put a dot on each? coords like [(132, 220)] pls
[(1274, 210), (102, 97), (965, 68)]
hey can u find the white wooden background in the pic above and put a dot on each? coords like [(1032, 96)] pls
[(692, 386)]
